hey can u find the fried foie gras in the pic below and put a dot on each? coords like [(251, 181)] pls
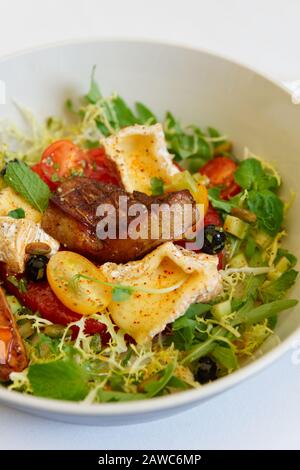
[(72, 219)]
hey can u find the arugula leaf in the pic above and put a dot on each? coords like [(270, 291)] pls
[(69, 105), (268, 209), (175, 382), (214, 133), (172, 126), (156, 386), (120, 293), (264, 311), (201, 349), (226, 357), (157, 186), (91, 144), (186, 144), (102, 128), (144, 114), (28, 184), (194, 162), (17, 213), (124, 114), (184, 328), (272, 322), (276, 289), (250, 247), (285, 253), (94, 93), (61, 379), (251, 175), (189, 316), (217, 202), (106, 396)]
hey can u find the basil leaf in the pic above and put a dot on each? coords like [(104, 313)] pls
[(251, 175), (28, 184), (17, 213), (268, 209), (248, 172), (62, 380)]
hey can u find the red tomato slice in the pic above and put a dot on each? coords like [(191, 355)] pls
[(231, 191), (212, 217), (61, 159), (100, 168), (38, 169), (220, 171), (221, 260), (178, 166), (40, 297)]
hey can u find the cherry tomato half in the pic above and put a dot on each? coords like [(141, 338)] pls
[(38, 169), (220, 171), (212, 217), (63, 159), (100, 168)]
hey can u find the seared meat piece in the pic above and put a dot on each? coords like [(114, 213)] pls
[(13, 356), (72, 219)]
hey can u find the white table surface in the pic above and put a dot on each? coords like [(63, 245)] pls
[(263, 412)]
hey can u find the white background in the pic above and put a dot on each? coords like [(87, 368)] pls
[(264, 412)]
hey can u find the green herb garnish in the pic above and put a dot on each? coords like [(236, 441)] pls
[(28, 184), (157, 186), (17, 213)]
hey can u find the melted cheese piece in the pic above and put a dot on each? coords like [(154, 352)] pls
[(140, 153), (10, 200), (15, 234), (144, 315)]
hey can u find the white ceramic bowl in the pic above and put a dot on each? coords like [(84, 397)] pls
[(200, 88)]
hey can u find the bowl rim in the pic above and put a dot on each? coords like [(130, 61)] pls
[(176, 400)]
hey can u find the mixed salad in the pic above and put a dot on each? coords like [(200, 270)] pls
[(67, 330)]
